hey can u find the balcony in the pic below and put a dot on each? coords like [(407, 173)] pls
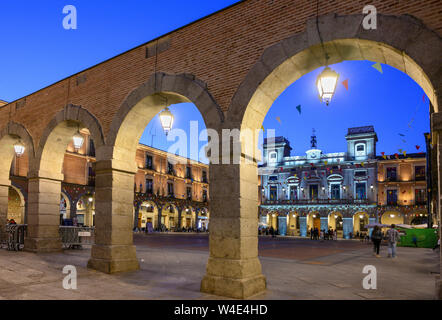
[(315, 201)]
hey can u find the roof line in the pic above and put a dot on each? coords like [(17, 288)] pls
[(129, 50)]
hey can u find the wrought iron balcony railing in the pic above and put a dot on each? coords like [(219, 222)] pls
[(315, 201)]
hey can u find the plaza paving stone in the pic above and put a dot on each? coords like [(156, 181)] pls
[(172, 266)]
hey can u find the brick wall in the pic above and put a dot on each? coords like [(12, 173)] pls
[(219, 50)]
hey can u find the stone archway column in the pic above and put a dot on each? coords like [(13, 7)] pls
[(180, 222), (233, 269), (113, 250), (4, 195), (136, 214), (436, 129), (43, 220)]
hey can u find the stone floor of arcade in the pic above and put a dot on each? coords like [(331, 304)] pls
[(172, 267)]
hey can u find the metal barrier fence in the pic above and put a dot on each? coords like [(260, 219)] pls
[(12, 237), (75, 237)]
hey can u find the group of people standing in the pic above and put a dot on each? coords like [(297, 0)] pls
[(329, 234), (392, 238)]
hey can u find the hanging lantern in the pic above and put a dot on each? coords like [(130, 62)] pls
[(166, 118), (78, 140), (19, 148), (326, 84)]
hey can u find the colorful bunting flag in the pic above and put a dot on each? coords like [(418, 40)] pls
[(262, 128), (378, 67), (402, 135), (417, 147), (298, 107), (405, 153), (279, 119), (362, 163), (345, 83)]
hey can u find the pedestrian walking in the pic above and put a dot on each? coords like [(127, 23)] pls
[(392, 239), (376, 237), (335, 235), (311, 233), (414, 239)]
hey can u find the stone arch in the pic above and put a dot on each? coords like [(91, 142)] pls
[(358, 218), (392, 217), (146, 101), (415, 52), (56, 137), (402, 42), (146, 216), (9, 135), (335, 221), (16, 209)]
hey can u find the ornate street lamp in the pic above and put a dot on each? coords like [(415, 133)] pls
[(19, 148), (166, 118), (78, 140), (326, 84)]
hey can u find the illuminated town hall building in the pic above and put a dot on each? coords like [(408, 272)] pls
[(343, 191)]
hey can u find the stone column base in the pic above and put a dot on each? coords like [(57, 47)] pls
[(438, 288), (233, 288), (114, 258), (43, 245)]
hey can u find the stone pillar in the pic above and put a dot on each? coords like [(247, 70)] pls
[(324, 224), (303, 226), (233, 269), (196, 220), (73, 213), (160, 213), (4, 194), (43, 233), (282, 225), (113, 250), (347, 227), (180, 210), (136, 213)]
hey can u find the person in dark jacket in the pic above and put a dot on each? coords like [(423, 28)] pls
[(376, 237)]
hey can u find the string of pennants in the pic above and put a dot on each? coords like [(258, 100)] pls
[(377, 66)]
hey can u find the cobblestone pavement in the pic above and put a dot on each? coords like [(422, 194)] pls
[(172, 266)]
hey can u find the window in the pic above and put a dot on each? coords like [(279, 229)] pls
[(391, 197), (149, 186), (205, 195), (419, 173), (314, 192), (420, 196), (189, 193), (335, 191), (204, 176), (149, 164), (360, 191), (360, 173), (293, 193), (91, 147), (391, 174), (170, 189), (272, 156), (273, 178), (273, 193), (188, 173), (170, 168)]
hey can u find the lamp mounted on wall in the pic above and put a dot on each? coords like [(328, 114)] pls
[(78, 140), (19, 148)]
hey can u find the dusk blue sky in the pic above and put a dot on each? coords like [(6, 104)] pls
[(37, 51)]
